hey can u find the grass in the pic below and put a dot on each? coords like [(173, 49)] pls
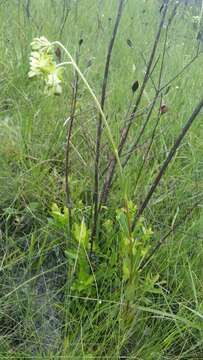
[(40, 316)]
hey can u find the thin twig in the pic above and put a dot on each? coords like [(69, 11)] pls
[(151, 107), (139, 114), (68, 141), (149, 147), (66, 11), (153, 104), (99, 126), (151, 78), (180, 72), (167, 161), (136, 143), (27, 9)]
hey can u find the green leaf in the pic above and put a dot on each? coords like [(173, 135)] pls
[(81, 233), (126, 269)]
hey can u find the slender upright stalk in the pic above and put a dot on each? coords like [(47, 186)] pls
[(99, 125), (149, 147), (27, 8), (67, 147)]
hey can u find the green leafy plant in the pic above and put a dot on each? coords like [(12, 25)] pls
[(121, 249)]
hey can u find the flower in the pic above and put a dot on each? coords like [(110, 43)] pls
[(41, 44), (196, 20), (53, 82), (43, 65), (40, 63)]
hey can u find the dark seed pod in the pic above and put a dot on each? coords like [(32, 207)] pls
[(58, 53), (161, 8), (129, 42), (135, 86), (80, 41), (163, 109)]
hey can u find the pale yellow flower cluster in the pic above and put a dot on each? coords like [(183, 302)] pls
[(43, 65)]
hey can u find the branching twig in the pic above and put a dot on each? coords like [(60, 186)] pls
[(134, 146), (126, 128), (153, 105)]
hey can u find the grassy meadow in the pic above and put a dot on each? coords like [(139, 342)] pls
[(133, 288)]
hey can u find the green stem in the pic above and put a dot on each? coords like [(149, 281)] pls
[(63, 63)]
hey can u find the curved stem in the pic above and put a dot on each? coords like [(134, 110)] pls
[(115, 150), (63, 63)]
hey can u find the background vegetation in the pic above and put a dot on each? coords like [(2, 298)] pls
[(57, 298)]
